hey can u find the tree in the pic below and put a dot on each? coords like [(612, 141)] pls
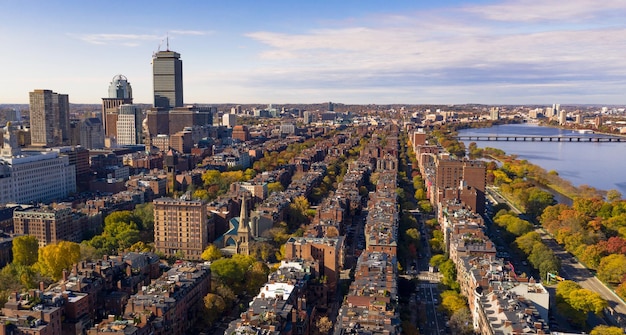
[(452, 301), (324, 325), (612, 268), (448, 270), (214, 305), (332, 231), (412, 235), (607, 330), (461, 322), (437, 260), (54, 258), (211, 253), (25, 250), (613, 195), (526, 242), (145, 214), (587, 301), (274, 187), (256, 277)]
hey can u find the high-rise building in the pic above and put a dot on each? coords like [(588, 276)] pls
[(229, 120), (49, 118), (91, 133), (494, 113), (180, 225), (129, 129), (120, 93), (167, 75)]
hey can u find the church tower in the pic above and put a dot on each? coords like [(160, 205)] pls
[(244, 237), (10, 148)]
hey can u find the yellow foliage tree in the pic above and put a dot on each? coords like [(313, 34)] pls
[(55, 258), (211, 253)]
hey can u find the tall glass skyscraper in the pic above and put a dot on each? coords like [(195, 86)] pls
[(167, 73)]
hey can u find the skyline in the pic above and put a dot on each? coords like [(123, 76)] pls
[(353, 52)]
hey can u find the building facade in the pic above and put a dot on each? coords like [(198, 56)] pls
[(33, 176), (129, 130), (180, 226), (120, 93), (167, 71), (49, 118)]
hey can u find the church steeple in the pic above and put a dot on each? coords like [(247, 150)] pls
[(244, 224), (9, 147), (243, 231)]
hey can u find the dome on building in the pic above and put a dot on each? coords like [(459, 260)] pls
[(119, 88)]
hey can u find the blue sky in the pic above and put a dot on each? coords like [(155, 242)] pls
[(356, 52)]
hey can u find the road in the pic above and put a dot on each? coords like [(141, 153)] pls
[(427, 299), (575, 271)]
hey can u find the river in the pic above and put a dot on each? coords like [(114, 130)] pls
[(597, 164)]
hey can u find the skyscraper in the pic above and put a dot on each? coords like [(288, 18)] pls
[(120, 93), (167, 72), (49, 118), (128, 126)]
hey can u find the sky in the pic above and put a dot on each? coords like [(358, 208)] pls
[(349, 51)]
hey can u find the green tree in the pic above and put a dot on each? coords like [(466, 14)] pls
[(448, 270), (25, 250), (437, 260), (211, 253), (54, 258), (256, 277), (526, 242), (145, 214)]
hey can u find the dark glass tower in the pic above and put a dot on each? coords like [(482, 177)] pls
[(167, 74)]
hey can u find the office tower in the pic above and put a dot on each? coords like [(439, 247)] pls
[(562, 118), (49, 118), (180, 225), (167, 72), (494, 113), (129, 129), (120, 93), (229, 120), (91, 133), (307, 117)]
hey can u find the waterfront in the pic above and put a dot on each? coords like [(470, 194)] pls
[(597, 164)]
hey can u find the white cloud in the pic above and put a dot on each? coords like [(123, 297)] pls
[(115, 38), (133, 40), (548, 11), (190, 32)]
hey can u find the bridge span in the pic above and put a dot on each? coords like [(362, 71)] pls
[(533, 138)]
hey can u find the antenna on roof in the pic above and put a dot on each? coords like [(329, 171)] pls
[(167, 41)]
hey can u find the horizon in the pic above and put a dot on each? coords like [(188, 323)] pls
[(504, 52)]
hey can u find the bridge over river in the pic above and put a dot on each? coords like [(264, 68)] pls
[(537, 138)]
